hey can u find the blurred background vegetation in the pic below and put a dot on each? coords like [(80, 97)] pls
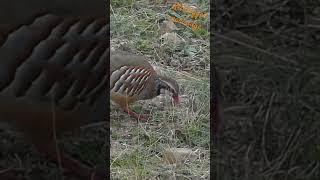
[(268, 55)]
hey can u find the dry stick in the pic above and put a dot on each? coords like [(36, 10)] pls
[(286, 151), (266, 122), (92, 125), (144, 130), (55, 137), (255, 48), (118, 156), (302, 144), (309, 167), (157, 54), (273, 11), (92, 175), (290, 146), (247, 162), (252, 61), (312, 171), (308, 106), (19, 160), (113, 12), (216, 105), (227, 11), (306, 30), (315, 26)]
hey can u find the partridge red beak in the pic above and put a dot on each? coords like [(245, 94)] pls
[(175, 99)]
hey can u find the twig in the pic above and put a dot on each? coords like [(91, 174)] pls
[(55, 136), (255, 48), (267, 117)]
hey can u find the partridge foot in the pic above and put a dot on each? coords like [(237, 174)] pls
[(139, 117), (79, 169)]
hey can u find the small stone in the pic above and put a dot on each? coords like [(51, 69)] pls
[(168, 26), (172, 38), (178, 155)]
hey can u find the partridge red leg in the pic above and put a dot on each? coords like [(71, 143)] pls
[(133, 114), (67, 162)]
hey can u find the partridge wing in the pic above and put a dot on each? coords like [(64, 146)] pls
[(129, 80)]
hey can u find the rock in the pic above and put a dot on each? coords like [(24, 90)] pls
[(178, 155), (168, 26), (172, 38)]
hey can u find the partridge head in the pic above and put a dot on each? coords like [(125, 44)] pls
[(132, 78)]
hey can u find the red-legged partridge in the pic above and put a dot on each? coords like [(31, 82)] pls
[(132, 78), (53, 77)]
